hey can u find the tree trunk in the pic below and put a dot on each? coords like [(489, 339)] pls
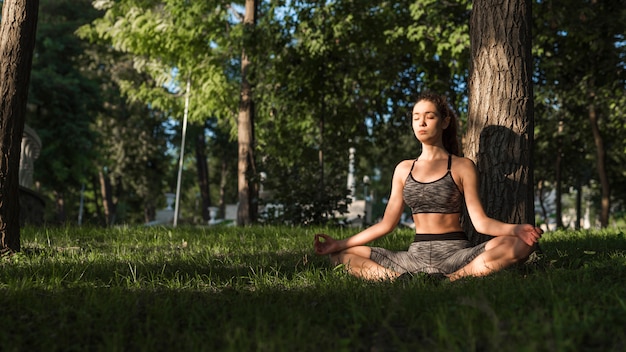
[(107, 198), (221, 214), (203, 174), (59, 207), (544, 212), (601, 166), (95, 181), (149, 212), (17, 41), (579, 204), (500, 124), (245, 128), (558, 177)]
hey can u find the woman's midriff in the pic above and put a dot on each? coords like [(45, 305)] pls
[(434, 223)]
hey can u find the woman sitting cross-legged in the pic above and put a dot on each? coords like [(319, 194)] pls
[(434, 186)]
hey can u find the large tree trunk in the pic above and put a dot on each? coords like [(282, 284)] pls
[(245, 130), (500, 125), (203, 175), (17, 41)]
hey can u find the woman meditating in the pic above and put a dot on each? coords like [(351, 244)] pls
[(434, 186)]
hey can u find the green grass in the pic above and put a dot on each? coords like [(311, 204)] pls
[(262, 289)]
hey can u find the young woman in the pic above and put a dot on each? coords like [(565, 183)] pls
[(434, 186)]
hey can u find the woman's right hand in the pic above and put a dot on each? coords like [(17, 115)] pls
[(324, 244)]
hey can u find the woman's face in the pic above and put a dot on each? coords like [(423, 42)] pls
[(428, 125)]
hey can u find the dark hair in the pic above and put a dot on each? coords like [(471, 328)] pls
[(450, 141)]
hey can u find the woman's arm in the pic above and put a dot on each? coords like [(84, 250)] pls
[(482, 223), (393, 212)]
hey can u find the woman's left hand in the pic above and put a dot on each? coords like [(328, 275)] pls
[(324, 244), (528, 233)]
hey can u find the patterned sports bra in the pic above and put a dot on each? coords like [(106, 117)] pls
[(441, 196)]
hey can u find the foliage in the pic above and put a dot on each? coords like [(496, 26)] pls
[(171, 41), (295, 198), (261, 288), (86, 124), (327, 77), (342, 75), (62, 102), (580, 62)]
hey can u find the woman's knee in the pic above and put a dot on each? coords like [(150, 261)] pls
[(520, 250), (523, 251), (342, 257), (515, 249), (336, 258)]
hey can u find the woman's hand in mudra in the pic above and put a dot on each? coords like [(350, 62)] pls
[(528, 233), (324, 244)]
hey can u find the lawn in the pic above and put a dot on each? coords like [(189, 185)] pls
[(262, 289)]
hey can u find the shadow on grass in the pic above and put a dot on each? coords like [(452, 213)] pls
[(216, 307), (169, 269)]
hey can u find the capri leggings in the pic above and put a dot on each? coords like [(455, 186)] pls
[(430, 254)]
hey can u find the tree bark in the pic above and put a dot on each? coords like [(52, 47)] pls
[(17, 41), (499, 137), (245, 129)]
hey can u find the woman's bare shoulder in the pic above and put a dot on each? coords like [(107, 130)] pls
[(462, 168), (405, 165), (403, 168), (463, 162)]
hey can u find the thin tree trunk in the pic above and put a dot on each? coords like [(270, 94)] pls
[(558, 177), (544, 212), (223, 178), (203, 175), (500, 125), (579, 204), (245, 128), (17, 41), (601, 167), (149, 211), (59, 207), (96, 200), (107, 198)]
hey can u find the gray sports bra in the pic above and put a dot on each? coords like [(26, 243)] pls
[(440, 196)]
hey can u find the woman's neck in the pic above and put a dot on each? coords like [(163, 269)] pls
[(432, 152)]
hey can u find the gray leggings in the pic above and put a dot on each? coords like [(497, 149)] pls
[(438, 256)]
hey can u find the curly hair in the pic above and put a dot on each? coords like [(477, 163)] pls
[(450, 141)]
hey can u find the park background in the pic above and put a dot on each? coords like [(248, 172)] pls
[(318, 83), (108, 98)]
